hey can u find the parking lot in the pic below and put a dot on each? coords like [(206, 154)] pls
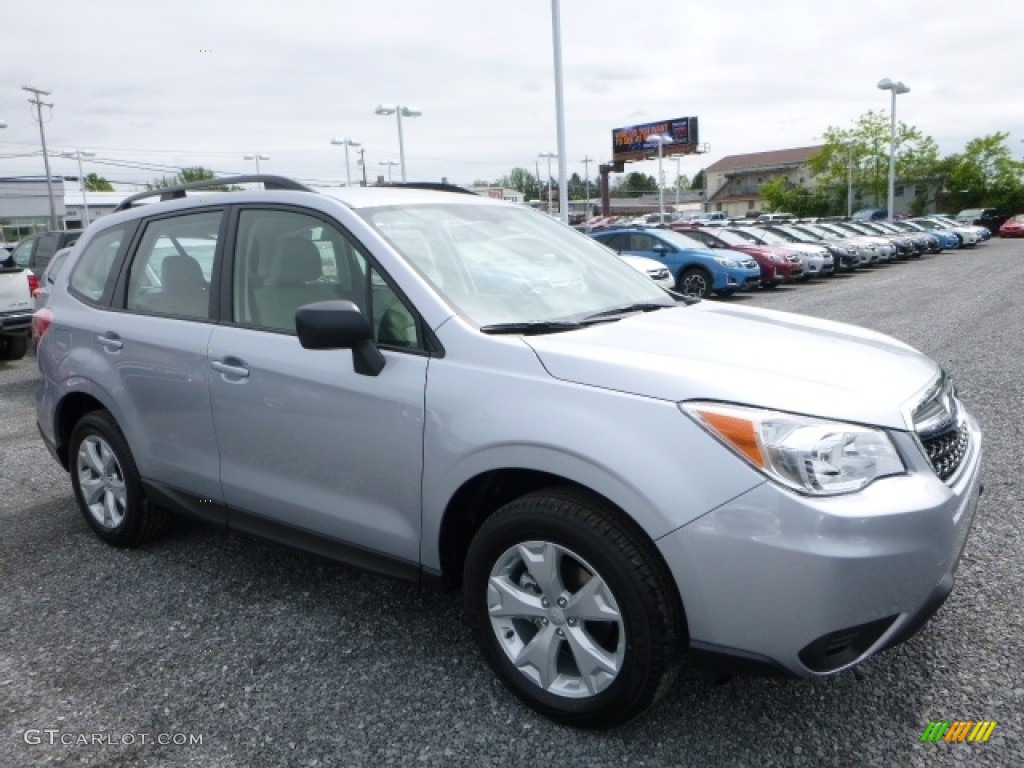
[(212, 649)]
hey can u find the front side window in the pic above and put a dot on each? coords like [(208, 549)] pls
[(92, 271), (172, 268), (287, 259)]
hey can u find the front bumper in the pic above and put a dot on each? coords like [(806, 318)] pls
[(809, 586)]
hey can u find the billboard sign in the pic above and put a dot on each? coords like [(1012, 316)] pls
[(629, 143)]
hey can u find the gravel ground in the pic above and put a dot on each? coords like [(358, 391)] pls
[(273, 658)]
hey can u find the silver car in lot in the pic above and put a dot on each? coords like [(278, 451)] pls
[(456, 390)]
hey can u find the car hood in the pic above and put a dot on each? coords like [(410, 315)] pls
[(756, 357)]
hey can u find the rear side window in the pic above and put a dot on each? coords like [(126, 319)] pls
[(171, 271), (92, 272)]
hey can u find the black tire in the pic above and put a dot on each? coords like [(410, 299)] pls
[(694, 282), (586, 538), (13, 347), (770, 286), (101, 459)]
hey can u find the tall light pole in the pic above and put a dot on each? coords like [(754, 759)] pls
[(849, 178), (257, 157), (660, 140), (563, 187), (399, 112), (347, 143), (39, 104), (896, 88), (677, 158), (79, 154), (390, 164), (550, 156)]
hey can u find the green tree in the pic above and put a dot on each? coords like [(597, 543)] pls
[(634, 184), (95, 183), (698, 181), (188, 175), (783, 195), (865, 148), (985, 175)]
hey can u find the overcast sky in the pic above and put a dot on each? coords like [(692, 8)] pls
[(205, 82)]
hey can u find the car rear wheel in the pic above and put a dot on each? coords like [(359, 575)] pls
[(107, 484), (694, 282), (13, 347), (573, 608)]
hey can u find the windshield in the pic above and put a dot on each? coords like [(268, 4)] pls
[(506, 265), (732, 238), (680, 240)]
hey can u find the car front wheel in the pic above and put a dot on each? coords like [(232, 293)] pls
[(694, 282), (573, 608)]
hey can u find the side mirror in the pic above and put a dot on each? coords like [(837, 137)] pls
[(660, 248), (340, 325)]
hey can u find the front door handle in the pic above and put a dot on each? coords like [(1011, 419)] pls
[(235, 368), (110, 341)]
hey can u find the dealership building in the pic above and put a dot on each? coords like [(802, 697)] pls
[(25, 206)]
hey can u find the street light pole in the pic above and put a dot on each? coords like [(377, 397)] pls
[(896, 88), (550, 156), (257, 157), (563, 186), (399, 111), (677, 158), (389, 164), (347, 143), (849, 178), (660, 140), (79, 154)]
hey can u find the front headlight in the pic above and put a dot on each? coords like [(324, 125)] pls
[(813, 456), (724, 262)]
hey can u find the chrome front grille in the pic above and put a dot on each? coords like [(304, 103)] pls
[(942, 429), (946, 450)]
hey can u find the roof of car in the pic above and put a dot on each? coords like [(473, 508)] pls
[(354, 197)]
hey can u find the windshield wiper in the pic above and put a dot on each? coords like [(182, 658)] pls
[(531, 328), (626, 309)]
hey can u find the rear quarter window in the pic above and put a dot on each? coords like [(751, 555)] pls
[(92, 273)]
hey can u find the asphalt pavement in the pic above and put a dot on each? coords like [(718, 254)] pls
[(213, 649)]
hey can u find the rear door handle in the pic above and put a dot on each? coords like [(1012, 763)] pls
[(234, 367), (110, 341)]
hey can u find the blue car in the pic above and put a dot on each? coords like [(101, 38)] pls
[(947, 238), (697, 270)]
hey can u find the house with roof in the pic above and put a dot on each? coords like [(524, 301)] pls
[(733, 183)]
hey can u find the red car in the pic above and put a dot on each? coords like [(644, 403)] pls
[(777, 264), (1013, 227)]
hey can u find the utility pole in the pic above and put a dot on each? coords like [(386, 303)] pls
[(42, 136), (587, 160), (362, 162)]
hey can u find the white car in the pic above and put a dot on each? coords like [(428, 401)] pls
[(968, 233), (657, 271)]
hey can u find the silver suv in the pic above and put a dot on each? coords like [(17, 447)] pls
[(461, 391)]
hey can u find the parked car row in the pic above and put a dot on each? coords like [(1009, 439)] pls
[(723, 259)]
